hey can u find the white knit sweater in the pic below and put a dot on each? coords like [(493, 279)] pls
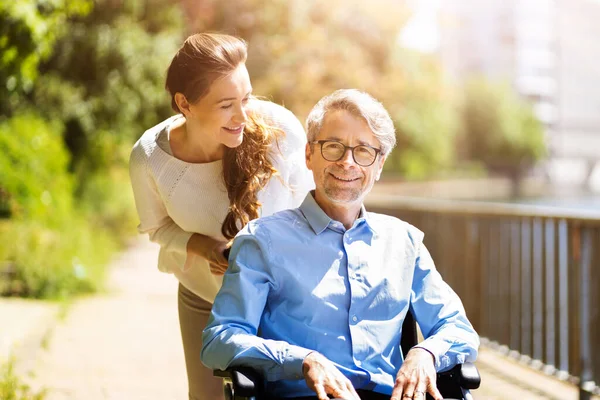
[(175, 198)]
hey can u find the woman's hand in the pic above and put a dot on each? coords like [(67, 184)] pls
[(211, 250)]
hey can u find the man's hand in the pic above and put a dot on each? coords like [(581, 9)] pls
[(324, 378), (416, 377)]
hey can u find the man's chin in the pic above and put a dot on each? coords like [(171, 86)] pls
[(343, 197)]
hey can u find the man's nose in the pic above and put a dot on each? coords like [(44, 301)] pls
[(347, 158)]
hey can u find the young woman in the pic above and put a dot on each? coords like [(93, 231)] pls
[(201, 175)]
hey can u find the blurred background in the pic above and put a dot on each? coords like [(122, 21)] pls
[(495, 100), (491, 100)]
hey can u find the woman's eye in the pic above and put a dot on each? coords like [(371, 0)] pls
[(226, 106)]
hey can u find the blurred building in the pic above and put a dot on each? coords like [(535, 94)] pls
[(548, 50)]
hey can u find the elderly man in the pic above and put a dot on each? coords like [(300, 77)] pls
[(314, 298)]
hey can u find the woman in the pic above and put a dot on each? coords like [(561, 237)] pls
[(201, 175)]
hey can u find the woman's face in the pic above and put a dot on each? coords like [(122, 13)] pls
[(221, 114)]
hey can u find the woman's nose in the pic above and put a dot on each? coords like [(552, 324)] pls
[(240, 115)]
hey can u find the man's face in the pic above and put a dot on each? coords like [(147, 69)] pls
[(343, 182)]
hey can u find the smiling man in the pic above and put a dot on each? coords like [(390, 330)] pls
[(315, 297)]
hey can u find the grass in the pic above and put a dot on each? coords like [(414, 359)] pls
[(12, 387)]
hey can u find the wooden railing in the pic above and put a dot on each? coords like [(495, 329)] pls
[(529, 277)]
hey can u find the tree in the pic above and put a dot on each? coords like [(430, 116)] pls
[(28, 31), (105, 80), (501, 130)]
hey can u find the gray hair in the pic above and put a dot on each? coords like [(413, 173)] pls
[(359, 104)]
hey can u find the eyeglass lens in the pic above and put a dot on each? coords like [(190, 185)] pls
[(334, 151)]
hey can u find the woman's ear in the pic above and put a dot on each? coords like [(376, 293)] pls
[(182, 104)]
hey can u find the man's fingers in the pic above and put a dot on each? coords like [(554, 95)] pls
[(350, 388), (320, 391), (398, 386), (343, 393), (410, 384), (433, 390), (420, 390)]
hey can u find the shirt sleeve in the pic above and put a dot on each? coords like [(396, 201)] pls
[(154, 219), (230, 338), (449, 336)]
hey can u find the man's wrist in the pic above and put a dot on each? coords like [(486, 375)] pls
[(293, 365), (428, 351), (306, 362)]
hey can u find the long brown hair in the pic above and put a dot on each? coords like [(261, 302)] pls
[(247, 168)]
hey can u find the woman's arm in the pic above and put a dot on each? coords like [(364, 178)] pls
[(156, 222)]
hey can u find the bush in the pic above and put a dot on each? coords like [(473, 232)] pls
[(93, 72), (53, 263), (49, 247), (108, 202), (34, 179)]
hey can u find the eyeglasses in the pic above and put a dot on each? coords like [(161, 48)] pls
[(332, 150)]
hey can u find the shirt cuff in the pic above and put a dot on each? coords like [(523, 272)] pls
[(180, 242), (438, 349), (292, 365)]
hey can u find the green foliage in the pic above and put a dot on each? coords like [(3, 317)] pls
[(500, 129), (64, 188), (50, 248), (28, 31), (53, 262), (108, 202), (33, 161), (426, 121), (105, 80), (12, 387)]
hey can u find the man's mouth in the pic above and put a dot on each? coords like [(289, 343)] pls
[(234, 130), (343, 178)]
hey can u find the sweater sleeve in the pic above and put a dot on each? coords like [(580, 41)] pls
[(154, 219)]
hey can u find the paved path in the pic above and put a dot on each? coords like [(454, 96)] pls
[(125, 345), (121, 345)]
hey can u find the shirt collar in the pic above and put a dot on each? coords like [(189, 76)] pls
[(318, 219)]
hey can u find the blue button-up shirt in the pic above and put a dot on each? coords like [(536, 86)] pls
[(298, 281)]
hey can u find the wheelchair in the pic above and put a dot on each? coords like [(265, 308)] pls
[(244, 383)]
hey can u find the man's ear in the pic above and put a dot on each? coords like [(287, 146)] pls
[(308, 155), (183, 104), (380, 167)]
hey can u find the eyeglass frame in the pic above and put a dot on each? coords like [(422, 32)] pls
[(377, 151)]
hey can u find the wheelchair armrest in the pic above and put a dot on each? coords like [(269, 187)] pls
[(465, 375), (246, 381)]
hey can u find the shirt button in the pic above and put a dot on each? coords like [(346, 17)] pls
[(354, 318)]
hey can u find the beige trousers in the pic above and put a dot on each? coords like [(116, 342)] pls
[(193, 316)]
